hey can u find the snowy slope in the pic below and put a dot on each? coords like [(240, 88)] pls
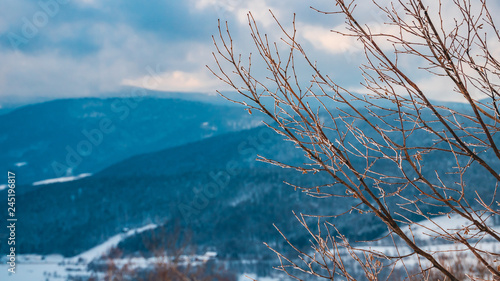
[(43, 268)]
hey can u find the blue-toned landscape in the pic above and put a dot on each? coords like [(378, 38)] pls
[(171, 174), (236, 140)]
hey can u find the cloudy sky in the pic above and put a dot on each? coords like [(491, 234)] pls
[(73, 48), (70, 48)]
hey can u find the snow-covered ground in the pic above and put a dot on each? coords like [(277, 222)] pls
[(62, 179), (425, 233), (55, 267), (183, 260), (426, 230), (41, 268), (58, 268), (103, 248), (250, 277), (49, 181)]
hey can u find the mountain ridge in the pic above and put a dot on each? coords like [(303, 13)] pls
[(74, 136)]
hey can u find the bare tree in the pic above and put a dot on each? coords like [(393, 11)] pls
[(387, 167), (169, 256)]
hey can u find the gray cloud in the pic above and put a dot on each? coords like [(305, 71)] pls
[(89, 47)]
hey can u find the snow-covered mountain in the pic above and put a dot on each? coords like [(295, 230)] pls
[(176, 164), (64, 138)]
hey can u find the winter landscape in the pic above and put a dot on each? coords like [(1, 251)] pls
[(239, 140)]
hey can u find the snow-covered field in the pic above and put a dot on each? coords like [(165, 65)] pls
[(42, 268), (49, 181), (428, 229), (101, 249), (62, 179), (425, 233), (250, 277), (55, 267)]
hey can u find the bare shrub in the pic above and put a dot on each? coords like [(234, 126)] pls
[(169, 256), (393, 153)]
